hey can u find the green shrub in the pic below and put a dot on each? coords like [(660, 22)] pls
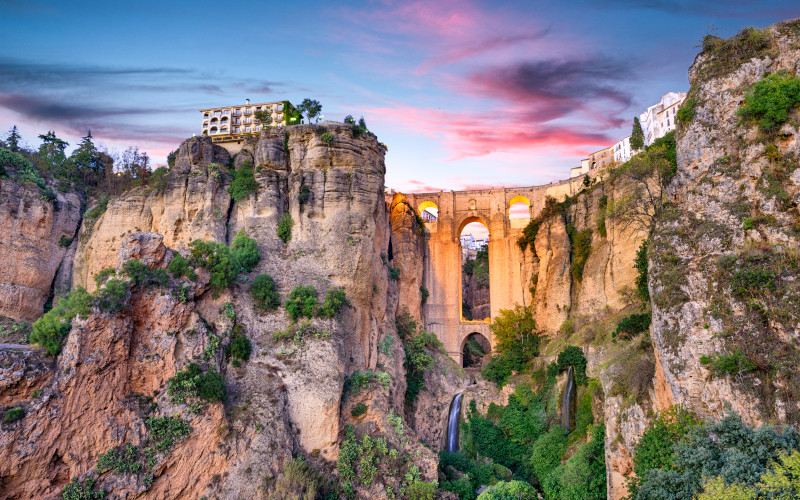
[(97, 210), (581, 248), (299, 481), (121, 461), (394, 273), (687, 110), (584, 475), (632, 325), (749, 282), (218, 260), (732, 364), (12, 160), (405, 323), (335, 300), (285, 227), (358, 380), (547, 452), (64, 242), (240, 348), (166, 432), (264, 292), (141, 274), (14, 414), (726, 55), (82, 490), (511, 490), (574, 356), (641, 277), (303, 196), (245, 251), (103, 275), (327, 138), (503, 365), (211, 386), (424, 294), (770, 100), (179, 267), (359, 410), (112, 296), (302, 301), (51, 329), (244, 182), (422, 490), (417, 361), (385, 345)]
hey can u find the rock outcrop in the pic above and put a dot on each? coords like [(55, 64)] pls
[(34, 240)]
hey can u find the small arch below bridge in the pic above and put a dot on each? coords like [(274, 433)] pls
[(475, 350)]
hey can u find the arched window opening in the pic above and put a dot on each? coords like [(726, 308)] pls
[(474, 246), (428, 211), (475, 350), (519, 211)]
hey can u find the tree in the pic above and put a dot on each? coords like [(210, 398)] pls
[(311, 108), (263, 117), (516, 330), (86, 161), (12, 141), (637, 135), (51, 157), (648, 173)]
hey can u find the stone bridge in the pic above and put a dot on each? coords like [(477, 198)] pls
[(508, 281)]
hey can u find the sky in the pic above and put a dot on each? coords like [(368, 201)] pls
[(465, 94)]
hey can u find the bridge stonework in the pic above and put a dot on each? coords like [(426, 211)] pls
[(509, 275)]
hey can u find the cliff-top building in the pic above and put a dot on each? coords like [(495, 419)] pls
[(659, 119), (232, 123)]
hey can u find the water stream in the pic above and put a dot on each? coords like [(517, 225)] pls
[(452, 423), (566, 400)]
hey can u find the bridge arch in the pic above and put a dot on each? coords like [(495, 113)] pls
[(471, 219), (473, 354), (428, 211)]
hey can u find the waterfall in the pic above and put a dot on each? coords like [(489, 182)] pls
[(452, 423), (566, 400)]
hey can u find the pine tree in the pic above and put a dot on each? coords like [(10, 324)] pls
[(637, 135), (12, 142), (86, 161)]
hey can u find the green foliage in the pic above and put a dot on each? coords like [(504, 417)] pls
[(121, 461), (581, 248), (687, 110), (771, 99), (359, 410), (13, 161), (327, 138), (240, 348), (302, 301), (394, 273), (584, 475), (726, 55), (358, 460), (751, 282), (112, 296), (285, 227), (82, 490), (385, 345), (97, 210), (14, 414), (418, 359), (264, 293), (731, 364), (191, 382), (263, 117), (601, 215), (303, 196), (503, 365), (405, 323), (64, 242), (166, 432), (217, 259), (637, 135), (179, 266), (299, 332), (245, 251), (641, 267), (51, 329), (244, 182), (782, 481), (478, 268), (424, 294), (358, 380), (141, 274), (511, 490), (335, 300), (573, 356), (632, 325), (421, 490), (529, 233), (547, 452), (300, 482), (515, 330), (311, 108), (716, 489), (523, 424)]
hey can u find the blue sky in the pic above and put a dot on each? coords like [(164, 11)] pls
[(465, 94)]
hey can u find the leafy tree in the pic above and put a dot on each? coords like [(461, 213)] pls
[(211, 386), (716, 489), (12, 141), (171, 158), (285, 227), (141, 274), (179, 266), (245, 251), (335, 300), (511, 490), (52, 328), (573, 356), (112, 296), (311, 108), (782, 481), (547, 452), (263, 117), (421, 490), (637, 135), (240, 348), (302, 301), (244, 182), (515, 329), (349, 120), (523, 425), (503, 365), (584, 475), (217, 259), (264, 292), (51, 156)]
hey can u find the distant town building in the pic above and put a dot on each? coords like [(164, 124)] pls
[(659, 119), (622, 150), (232, 123)]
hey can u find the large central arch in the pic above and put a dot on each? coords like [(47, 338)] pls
[(442, 263)]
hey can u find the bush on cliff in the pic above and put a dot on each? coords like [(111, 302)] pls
[(245, 251), (335, 300), (112, 296), (244, 182), (218, 260), (142, 275), (264, 292), (51, 329), (302, 301), (285, 227), (179, 267), (770, 100)]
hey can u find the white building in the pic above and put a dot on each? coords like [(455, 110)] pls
[(622, 150), (659, 119)]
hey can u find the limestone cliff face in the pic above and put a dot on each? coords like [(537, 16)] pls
[(31, 246), (735, 213), (193, 205)]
